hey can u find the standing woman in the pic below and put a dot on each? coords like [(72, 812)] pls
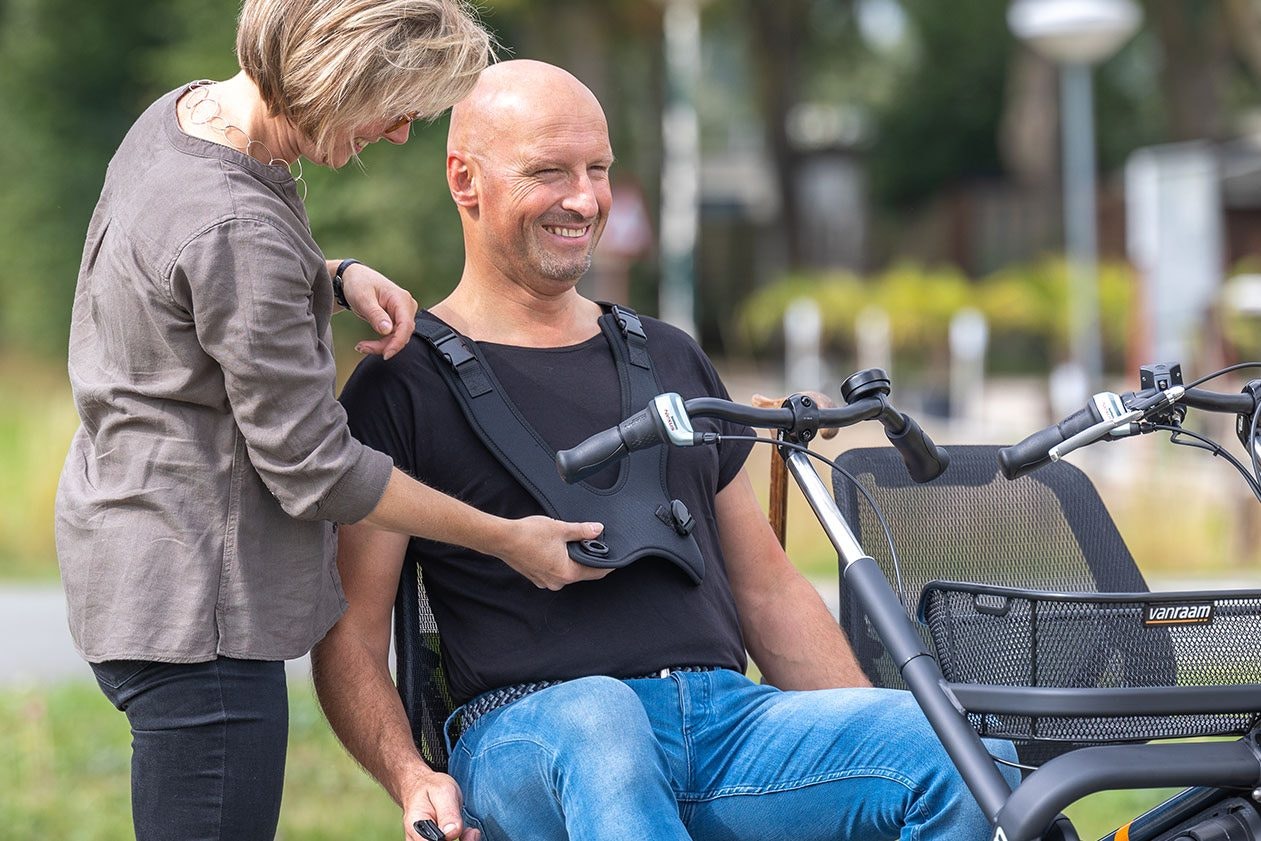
[(196, 509)]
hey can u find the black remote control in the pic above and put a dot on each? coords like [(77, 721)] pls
[(429, 831)]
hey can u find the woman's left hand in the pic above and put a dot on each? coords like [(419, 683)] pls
[(389, 308)]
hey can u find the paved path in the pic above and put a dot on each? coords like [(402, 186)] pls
[(35, 644)]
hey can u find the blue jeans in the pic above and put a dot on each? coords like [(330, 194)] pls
[(208, 746), (712, 756)]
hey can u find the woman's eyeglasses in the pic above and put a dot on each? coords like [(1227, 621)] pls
[(403, 120)]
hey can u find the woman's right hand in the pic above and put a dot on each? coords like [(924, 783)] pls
[(537, 548), (382, 303)]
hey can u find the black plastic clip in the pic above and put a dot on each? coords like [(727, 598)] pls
[(677, 517), (633, 331), (428, 830), (465, 364), (452, 347)]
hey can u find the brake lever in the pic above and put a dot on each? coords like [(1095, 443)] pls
[(1091, 434)]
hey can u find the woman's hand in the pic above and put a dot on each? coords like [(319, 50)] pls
[(389, 308)]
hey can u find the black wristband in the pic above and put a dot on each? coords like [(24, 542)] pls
[(339, 293)]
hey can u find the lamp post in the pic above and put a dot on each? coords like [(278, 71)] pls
[(681, 165), (1078, 34)]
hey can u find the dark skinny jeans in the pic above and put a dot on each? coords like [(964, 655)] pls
[(208, 746)]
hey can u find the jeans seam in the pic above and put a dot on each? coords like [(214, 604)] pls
[(513, 740), (802, 782), (915, 811), (688, 749)]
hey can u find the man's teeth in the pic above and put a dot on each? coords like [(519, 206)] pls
[(572, 233)]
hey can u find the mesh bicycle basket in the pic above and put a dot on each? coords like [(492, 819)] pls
[(1001, 636)]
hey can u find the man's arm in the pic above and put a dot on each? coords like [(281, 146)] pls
[(352, 679), (786, 626)]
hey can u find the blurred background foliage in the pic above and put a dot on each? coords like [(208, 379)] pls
[(933, 100), (1025, 305)]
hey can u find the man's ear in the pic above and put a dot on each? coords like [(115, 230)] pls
[(461, 179)]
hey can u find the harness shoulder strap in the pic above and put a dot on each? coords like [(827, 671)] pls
[(451, 346), (632, 330)]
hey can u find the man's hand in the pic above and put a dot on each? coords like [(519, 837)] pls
[(388, 307), (436, 797), (535, 547), (821, 400)]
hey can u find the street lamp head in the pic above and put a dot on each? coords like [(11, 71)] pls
[(1074, 31)]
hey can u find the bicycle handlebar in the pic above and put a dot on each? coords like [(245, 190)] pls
[(668, 420), (1111, 415)]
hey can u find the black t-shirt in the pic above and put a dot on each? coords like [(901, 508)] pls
[(497, 628)]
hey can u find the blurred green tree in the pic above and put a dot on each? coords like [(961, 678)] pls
[(73, 81)]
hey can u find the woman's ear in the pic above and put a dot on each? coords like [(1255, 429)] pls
[(461, 179)]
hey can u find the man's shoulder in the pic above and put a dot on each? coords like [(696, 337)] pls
[(411, 368), (667, 334)]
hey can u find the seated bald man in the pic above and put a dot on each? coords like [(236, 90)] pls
[(598, 703)]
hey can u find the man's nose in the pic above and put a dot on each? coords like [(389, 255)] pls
[(582, 199)]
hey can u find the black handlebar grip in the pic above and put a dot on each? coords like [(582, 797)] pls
[(1033, 452), (641, 430), (638, 431), (924, 460)]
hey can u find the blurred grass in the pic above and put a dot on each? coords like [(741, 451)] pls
[(37, 420), (65, 775), (1098, 814), (67, 755)]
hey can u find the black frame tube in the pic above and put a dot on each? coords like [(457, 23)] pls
[(1071, 776), (923, 677)]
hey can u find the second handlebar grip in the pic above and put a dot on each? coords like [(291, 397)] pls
[(640, 430), (581, 461), (924, 460), (1034, 451)]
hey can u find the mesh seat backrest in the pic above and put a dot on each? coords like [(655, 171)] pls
[(422, 682), (1046, 530)]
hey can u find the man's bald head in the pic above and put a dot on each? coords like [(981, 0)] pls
[(509, 97), (528, 160)]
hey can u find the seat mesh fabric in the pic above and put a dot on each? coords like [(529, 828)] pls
[(422, 681)]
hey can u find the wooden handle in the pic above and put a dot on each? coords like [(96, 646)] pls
[(779, 498)]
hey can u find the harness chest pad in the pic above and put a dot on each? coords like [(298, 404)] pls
[(640, 519)]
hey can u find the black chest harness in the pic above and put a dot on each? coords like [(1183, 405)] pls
[(639, 517)]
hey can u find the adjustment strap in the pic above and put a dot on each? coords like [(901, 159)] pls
[(451, 345), (633, 331)]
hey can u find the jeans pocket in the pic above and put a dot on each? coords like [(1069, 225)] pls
[(473, 823), (115, 674)]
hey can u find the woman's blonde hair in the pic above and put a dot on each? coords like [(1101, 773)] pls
[(330, 66)]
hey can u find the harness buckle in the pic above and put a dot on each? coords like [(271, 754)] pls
[(452, 347), (630, 323), (677, 517)]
